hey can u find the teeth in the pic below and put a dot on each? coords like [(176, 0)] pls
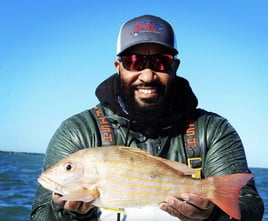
[(147, 91)]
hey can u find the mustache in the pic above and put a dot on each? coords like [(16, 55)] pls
[(157, 85)]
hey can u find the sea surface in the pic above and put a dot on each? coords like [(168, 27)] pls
[(18, 182)]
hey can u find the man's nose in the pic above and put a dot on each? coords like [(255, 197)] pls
[(147, 75)]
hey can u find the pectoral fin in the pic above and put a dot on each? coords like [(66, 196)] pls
[(84, 195)]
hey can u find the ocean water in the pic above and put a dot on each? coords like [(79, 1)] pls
[(18, 182)]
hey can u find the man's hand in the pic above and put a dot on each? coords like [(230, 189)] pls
[(190, 208), (74, 206)]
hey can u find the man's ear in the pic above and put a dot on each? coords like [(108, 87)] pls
[(117, 65)]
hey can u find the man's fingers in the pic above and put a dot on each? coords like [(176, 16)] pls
[(85, 207), (190, 208), (195, 200), (57, 199), (177, 208), (72, 205), (75, 206)]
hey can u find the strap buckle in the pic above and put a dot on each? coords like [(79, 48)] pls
[(196, 164)]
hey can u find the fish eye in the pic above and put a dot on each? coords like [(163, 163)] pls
[(68, 166)]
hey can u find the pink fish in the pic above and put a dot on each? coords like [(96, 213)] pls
[(122, 177)]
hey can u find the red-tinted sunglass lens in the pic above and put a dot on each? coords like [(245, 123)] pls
[(136, 62), (161, 62), (133, 62)]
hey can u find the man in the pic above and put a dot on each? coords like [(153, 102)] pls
[(149, 107)]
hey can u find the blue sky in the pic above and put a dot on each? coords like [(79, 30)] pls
[(53, 54)]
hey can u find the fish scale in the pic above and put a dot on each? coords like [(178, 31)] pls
[(149, 189)]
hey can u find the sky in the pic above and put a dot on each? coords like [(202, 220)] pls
[(54, 53)]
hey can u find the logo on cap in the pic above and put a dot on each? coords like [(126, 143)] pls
[(147, 26)]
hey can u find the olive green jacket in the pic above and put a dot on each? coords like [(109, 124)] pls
[(222, 153)]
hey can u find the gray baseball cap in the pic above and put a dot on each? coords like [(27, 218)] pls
[(146, 29)]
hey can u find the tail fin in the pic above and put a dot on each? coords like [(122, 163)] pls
[(226, 193)]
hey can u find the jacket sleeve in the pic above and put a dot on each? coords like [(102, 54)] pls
[(74, 134), (225, 155)]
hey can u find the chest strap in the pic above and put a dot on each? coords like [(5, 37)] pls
[(105, 127), (193, 149)]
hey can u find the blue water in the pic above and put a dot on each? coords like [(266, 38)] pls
[(18, 174)]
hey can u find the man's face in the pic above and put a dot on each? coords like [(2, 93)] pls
[(146, 89)]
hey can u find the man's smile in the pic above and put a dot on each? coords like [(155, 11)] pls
[(146, 93)]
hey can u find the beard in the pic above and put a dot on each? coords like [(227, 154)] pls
[(153, 109)]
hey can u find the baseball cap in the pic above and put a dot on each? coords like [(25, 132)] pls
[(146, 29)]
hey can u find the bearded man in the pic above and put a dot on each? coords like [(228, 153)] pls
[(146, 105)]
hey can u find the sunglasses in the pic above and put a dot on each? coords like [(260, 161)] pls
[(138, 62)]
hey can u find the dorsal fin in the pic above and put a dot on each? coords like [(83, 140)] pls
[(181, 168), (184, 169)]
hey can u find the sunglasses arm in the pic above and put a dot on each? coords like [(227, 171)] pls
[(176, 64)]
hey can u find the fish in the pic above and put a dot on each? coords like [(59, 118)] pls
[(125, 177)]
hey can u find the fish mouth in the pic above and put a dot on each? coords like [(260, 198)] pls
[(50, 184)]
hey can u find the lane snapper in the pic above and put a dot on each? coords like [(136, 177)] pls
[(124, 177)]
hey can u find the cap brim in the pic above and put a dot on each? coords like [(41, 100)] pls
[(169, 49)]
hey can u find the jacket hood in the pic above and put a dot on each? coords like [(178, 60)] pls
[(183, 100)]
